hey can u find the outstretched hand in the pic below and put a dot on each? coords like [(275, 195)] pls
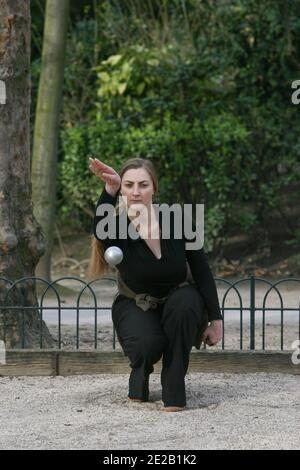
[(105, 173), (213, 333)]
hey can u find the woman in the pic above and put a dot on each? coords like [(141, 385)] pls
[(178, 281)]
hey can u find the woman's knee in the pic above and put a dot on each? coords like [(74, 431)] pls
[(185, 299), (151, 347)]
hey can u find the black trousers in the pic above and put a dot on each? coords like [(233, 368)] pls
[(168, 331)]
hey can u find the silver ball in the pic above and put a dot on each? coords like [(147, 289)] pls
[(113, 255)]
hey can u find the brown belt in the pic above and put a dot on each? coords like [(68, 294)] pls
[(145, 300)]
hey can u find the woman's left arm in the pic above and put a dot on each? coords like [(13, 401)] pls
[(205, 282), (206, 285)]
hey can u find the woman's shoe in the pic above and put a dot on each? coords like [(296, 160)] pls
[(136, 399), (173, 408)]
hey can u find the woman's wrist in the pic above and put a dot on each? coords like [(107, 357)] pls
[(216, 323), (111, 190)]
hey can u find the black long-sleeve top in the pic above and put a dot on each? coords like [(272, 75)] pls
[(142, 271)]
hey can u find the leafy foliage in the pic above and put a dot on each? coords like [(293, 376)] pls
[(201, 88)]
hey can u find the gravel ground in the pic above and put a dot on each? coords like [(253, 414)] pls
[(224, 411)]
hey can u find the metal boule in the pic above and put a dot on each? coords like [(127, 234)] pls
[(113, 255)]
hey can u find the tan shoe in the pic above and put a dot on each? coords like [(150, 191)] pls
[(135, 399), (173, 408)]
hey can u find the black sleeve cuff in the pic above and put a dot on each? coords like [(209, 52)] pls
[(106, 198)]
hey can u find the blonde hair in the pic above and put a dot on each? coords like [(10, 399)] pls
[(98, 267)]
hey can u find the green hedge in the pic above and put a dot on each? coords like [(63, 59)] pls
[(209, 104)]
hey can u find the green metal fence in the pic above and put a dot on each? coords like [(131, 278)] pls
[(14, 299)]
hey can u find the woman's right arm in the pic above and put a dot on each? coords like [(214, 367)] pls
[(109, 195)]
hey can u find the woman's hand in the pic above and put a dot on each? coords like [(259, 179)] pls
[(213, 333), (106, 174)]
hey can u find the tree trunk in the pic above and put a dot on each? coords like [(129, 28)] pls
[(21, 240), (44, 159)]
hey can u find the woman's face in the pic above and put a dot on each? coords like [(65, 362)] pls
[(137, 186)]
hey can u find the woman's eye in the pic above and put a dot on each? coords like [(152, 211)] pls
[(128, 185)]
